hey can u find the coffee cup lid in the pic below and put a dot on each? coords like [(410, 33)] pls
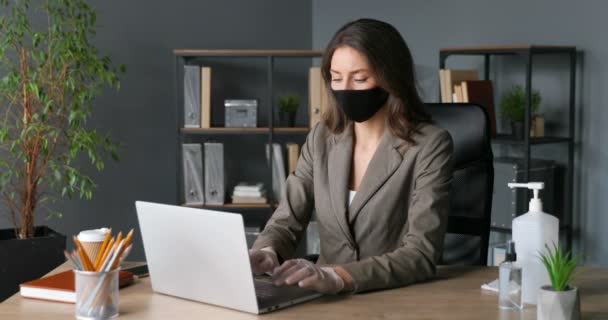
[(93, 235)]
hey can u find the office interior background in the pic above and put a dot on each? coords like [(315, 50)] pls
[(141, 117)]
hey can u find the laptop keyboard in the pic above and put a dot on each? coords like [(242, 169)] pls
[(264, 288)]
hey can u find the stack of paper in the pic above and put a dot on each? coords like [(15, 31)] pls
[(249, 193)]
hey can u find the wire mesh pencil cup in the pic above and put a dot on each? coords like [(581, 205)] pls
[(96, 294)]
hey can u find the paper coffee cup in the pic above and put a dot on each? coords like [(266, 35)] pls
[(92, 240)]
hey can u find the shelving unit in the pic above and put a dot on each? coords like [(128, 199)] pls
[(186, 56), (526, 53), (302, 130)]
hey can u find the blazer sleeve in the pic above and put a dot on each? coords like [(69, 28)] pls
[(290, 220), (421, 246)]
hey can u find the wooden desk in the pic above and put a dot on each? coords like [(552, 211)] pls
[(454, 295)]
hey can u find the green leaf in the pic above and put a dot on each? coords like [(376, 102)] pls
[(559, 266), (3, 134)]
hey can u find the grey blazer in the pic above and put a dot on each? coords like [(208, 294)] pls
[(392, 233)]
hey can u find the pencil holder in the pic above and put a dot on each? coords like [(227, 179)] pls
[(96, 294)]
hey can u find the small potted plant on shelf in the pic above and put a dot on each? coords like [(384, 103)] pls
[(49, 77), (560, 300), (513, 107), (288, 107)]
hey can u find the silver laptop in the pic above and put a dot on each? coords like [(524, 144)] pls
[(202, 255)]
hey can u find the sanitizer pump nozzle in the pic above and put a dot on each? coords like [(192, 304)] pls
[(535, 204)]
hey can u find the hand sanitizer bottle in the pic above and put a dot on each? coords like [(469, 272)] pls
[(531, 232), (509, 281)]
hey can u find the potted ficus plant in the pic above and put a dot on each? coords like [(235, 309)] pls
[(513, 108), (560, 300), (50, 73), (288, 107)]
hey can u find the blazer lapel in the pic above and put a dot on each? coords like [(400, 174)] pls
[(339, 166), (383, 164)]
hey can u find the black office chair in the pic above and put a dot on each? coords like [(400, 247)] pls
[(471, 195)]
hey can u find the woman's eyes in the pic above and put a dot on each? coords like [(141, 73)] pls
[(356, 80)]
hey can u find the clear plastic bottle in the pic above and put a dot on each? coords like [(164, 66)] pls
[(531, 232), (509, 281)]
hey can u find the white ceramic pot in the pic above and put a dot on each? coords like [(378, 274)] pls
[(558, 305)]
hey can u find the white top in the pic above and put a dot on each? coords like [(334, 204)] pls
[(351, 196)]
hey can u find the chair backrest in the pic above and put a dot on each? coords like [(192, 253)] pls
[(471, 196)]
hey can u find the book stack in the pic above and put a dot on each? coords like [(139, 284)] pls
[(249, 193), (463, 86)]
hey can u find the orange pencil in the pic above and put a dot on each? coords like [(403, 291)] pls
[(103, 248), (122, 250), (118, 238), (83, 255), (105, 254)]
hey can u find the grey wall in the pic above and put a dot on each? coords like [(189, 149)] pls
[(428, 26), (142, 35)]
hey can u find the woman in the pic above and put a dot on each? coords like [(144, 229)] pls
[(376, 172)]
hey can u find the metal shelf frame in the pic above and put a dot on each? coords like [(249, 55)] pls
[(183, 57), (525, 54)]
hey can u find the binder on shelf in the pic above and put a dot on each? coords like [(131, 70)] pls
[(193, 174), (206, 97), (293, 152), (192, 96), (317, 96), (278, 170), (214, 173), (481, 92)]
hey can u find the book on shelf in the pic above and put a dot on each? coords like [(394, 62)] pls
[(61, 287), (481, 92), (245, 200), (458, 93), (205, 97), (449, 78), (254, 194), (244, 186)]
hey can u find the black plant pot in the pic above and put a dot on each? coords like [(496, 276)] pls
[(22, 260), (287, 119), (517, 129)]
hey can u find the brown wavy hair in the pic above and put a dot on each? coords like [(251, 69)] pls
[(391, 61)]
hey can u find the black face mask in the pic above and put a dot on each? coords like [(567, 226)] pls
[(361, 105)]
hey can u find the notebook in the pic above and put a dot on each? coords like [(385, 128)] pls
[(61, 286), (481, 92)]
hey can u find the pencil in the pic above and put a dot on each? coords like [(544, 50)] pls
[(83, 255), (124, 247), (67, 256), (103, 247), (106, 252)]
